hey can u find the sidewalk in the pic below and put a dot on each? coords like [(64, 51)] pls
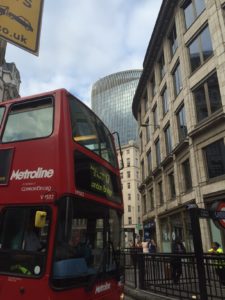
[(136, 294)]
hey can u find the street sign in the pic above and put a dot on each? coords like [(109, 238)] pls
[(20, 23), (203, 213), (218, 214)]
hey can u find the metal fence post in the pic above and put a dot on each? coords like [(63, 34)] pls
[(141, 270)]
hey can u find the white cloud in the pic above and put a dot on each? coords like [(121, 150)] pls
[(82, 41)]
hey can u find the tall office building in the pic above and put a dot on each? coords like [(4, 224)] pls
[(181, 100), (111, 100)]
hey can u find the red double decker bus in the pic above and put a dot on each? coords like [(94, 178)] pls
[(60, 201)]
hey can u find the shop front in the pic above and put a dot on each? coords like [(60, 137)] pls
[(173, 225)]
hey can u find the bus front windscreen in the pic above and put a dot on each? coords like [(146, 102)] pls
[(29, 120), (88, 235)]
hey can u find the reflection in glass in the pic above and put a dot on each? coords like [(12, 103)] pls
[(182, 124), (89, 131), (2, 109), (215, 157), (88, 235), (177, 80), (200, 103), (192, 9), (29, 120), (200, 49), (194, 54), (207, 98)]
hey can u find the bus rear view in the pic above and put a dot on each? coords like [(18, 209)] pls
[(60, 201)]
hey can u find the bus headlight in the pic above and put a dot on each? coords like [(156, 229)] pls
[(122, 296)]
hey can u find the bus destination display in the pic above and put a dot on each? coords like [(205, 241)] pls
[(93, 178)]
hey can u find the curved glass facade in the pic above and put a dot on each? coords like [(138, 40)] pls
[(111, 100)]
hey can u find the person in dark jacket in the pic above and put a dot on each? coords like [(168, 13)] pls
[(152, 246), (176, 263)]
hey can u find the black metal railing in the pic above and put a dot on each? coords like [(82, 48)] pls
[(175, 275)]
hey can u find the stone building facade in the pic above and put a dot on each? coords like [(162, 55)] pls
[(180, 107), (131, 179), (9, 76)]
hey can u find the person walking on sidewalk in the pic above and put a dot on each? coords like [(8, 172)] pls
[(220, 264), (176, 263)]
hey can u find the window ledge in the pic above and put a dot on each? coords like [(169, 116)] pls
[(207, 123), (180, 147), (148, 179), (168, 159), (215, 179), (156, 171)]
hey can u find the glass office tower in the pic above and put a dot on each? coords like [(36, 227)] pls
[(111, 100)]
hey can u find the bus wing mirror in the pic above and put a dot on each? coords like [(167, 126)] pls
[(40, 218), (120, 150)]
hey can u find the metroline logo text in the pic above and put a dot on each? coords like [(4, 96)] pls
[(34, 174)]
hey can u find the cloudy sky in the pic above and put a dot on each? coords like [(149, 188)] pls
[(83, 41)]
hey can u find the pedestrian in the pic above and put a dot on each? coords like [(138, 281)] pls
[(145, 245), (220, 264), (176, 261), (152, 246)]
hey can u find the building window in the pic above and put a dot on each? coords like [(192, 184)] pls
[(144, 210), (128, 174), (128, 162), (165, 101), (200, 49), (149, 162), (139, 208), (155, 116), (128, 185), (129, 221), (146, 103), (153, 86), (129, 196), (142, 171), (158, 155), (177, 80), (160, 193), (182, 124), (121, 175), (162, 66), (192, 9), (129, 208), (207, 98), (128, 151), (173, 39), (141, 143), (187, 175), (168, 140), (148, 131), (215, 159), (172, 185), (151, 199)]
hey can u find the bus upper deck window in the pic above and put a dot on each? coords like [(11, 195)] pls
[(29, 120)]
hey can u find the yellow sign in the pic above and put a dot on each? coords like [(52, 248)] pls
[(20, 22)]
